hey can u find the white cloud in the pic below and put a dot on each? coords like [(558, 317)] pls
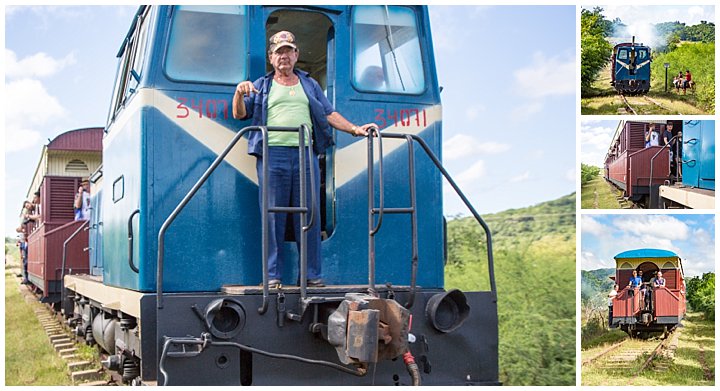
[(653, 229), (37, 65), (526, 110), (473, 111), (520, 178), (594, 142), (589, 225), (463, 145), (472, 174), (546, 77), (31, 106), (590, 261)]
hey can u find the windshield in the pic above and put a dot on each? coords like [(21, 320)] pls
[(208, 44), (386, 50)]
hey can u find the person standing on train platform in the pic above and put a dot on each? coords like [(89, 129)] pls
[(82, 201), (289, 97), (611, 296), (652, 137), (658, 281), (634, 283)]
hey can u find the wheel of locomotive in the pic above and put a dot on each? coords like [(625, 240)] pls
[(633, 333)]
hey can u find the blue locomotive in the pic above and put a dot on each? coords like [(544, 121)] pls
[(178, 292), (696, 187), (630, 69)]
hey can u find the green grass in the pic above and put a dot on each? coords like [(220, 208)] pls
[(602, 341), (684, 369), (606, 195), (29, 357)]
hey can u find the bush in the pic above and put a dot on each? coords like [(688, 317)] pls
[(701, 294), (588, 173), (595, 50)]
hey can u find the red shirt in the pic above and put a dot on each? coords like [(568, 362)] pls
[(688, 76)]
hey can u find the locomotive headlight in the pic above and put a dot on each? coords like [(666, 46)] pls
[(447, 311), (224, 318)]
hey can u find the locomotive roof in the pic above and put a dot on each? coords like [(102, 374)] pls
[(646, 253)]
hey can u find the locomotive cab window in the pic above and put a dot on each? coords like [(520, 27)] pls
[(622, 54), (386, 50), (132, 55), (208, 44), (314, 34), (642, 54)]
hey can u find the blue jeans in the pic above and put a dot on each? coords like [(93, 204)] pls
[(284, 190)]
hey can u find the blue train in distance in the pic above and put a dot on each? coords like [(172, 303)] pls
[(178, 293), (630, 68)]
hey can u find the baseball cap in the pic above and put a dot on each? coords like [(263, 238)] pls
[(280, 39)]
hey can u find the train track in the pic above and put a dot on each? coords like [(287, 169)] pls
[(627, 105), (624, 356), (633, 111)]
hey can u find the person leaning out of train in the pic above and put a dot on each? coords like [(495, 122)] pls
[(289, 97), (652, 137), (612, 295), (34, 213), (82, 201)]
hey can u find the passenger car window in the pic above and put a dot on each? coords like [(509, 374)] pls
[(208, 44), (386, 50)]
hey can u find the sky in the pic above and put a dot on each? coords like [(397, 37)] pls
[(595, 138), (690, 236), (640, 18), (508, 99)]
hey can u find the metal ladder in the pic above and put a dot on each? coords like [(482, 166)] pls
[(265, 208), (380, 210)]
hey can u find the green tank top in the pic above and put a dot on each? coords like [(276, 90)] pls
[(287, 106)]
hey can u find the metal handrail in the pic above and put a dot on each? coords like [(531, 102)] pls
[(652, 159), (173, 215), (64, 257), (131, 253), (476, 215)]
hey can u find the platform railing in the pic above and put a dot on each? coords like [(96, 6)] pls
[(374, 226), (265, 208)]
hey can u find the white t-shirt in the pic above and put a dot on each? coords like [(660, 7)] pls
[(611, 296), (654, 139), (85, 205)]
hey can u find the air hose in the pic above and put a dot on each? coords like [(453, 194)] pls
[(412, 368)]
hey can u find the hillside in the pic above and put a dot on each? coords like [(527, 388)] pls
[(534, 251), (595, 285)]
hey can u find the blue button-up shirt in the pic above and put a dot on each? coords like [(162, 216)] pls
[(256, 107)]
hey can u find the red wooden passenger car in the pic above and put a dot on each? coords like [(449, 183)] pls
[(64, 162), (665, 307)]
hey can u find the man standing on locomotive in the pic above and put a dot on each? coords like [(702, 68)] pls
[(289, 97)]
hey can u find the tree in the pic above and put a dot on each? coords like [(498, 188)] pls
[(701, 294), (594, 48)]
